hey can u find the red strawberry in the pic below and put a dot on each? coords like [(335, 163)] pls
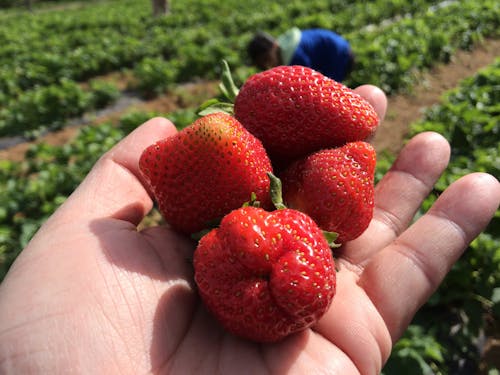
[(335, 187), (265, 275), (203, 172), (295, 110)]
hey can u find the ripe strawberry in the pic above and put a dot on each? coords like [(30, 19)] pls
[(265, 275), (203, 172), (295, 111), (335, 187)]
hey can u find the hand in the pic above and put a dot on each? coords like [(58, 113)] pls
[(91, 294)]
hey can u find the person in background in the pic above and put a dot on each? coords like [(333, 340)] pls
[(319, 49)]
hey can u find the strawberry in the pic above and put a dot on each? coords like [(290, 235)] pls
[(265, 275), (335, 187), (295, 111), (206, 170)]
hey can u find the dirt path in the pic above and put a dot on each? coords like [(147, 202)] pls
[(182, 97), (402, 109), (405, 109)]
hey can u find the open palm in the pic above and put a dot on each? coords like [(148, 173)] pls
[(92, 294)]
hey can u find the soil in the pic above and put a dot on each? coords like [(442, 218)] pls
[(182, 97), (405, 109), (402, 109)]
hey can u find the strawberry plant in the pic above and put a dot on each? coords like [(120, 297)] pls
[(103, 93), (154, 76), (45, 107), (48, 107)]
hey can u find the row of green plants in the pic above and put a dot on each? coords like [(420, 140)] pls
[(445, 336), (405, 37), (78, 44), (50, 107), (393, 56)]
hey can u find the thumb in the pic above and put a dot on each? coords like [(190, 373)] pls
[(114, 187)]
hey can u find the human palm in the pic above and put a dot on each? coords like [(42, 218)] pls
[(92, 294)]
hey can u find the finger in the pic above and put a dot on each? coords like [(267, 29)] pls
[(399, 195), (114, 187), (401, 278), (375, 96), (354, 325)]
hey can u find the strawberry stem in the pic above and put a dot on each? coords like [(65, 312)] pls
[(276, 191)]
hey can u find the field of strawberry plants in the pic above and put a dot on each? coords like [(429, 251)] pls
[(43, 55), (51, 62)]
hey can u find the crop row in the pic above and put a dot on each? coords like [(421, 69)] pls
[(37, 50), (184, 45), (393, 56), (50, 106)]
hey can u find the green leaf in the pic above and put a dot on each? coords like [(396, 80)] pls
[(214, 106), (228, 89), (330, 238), (227, 86)]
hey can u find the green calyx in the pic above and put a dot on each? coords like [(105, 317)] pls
[(229, 91), (253, 202), (276, 191), (213, 106), (330, 238)]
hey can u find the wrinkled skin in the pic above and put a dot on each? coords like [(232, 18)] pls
[(92, 294)]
